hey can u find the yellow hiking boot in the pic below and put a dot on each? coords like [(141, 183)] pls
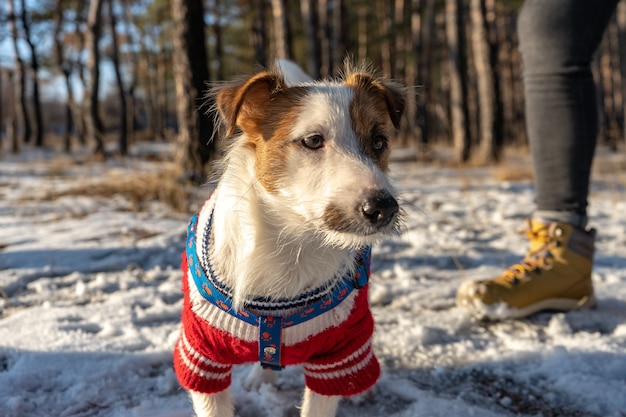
[(554, 275)]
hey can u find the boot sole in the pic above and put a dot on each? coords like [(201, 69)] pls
[(501, 311)]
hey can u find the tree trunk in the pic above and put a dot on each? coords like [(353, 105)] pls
[(11, 120), (134, 72), (309, 20), (22, 119), (64, 70), (384, 30), (80, 117), (362, 38), (92, 37), (323, 37), (146, 71), (258, 34), (488, 150), (4, 101), (618, 97), (519, 122), (611, 86), (72, 112), (400, 47), (458, 80), (424, 73), (495, 65), (507, 95), (411, 71), (34, 64), (219, 42), (195, 129), (621, 36), (161, 93), (282, 32), (115, 58), (337, 37), (2, 98)]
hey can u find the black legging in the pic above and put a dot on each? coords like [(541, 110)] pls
[(557, 40)]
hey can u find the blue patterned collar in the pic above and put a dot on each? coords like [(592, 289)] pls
[(309, 305)]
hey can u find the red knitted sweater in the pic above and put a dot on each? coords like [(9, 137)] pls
[(335, 347)]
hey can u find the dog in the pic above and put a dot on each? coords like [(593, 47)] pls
[(277, 260)]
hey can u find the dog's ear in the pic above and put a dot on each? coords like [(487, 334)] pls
[(394, 95), (243, 103)]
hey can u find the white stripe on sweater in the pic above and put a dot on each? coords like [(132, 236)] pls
[(342, 372), (324, 367), (198, 356), (197, 370), (220, 319)]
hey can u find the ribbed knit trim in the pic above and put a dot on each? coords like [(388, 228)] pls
[(312, 368), (222, 320), (195, 356), (198, 372), (352, 375)]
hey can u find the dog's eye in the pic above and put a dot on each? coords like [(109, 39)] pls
[(313, 141), (379, 143)]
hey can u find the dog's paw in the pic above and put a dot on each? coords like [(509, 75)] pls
[(257, 377)]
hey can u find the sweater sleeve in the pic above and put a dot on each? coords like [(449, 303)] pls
[(349, 367), (194, 367)]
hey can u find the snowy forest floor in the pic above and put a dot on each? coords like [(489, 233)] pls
[(90, 298)]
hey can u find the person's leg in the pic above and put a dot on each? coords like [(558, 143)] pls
[(558, 39)]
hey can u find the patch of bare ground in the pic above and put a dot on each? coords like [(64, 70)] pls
[(518, 398)]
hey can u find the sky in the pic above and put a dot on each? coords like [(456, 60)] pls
[(53, 87)]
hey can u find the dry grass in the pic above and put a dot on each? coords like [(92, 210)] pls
[(609, 164), (516, 165), (139, 188), (60, 166), (513, 172)]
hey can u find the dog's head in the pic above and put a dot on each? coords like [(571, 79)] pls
[(321, 149)]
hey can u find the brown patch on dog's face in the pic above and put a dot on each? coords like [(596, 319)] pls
[(333, 186), (375, 113), (390, 93), (368, 121), (264, 108), (341, 220), (271, 141)]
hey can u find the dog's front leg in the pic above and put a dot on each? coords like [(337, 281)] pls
[(317, 405), (212, 405)]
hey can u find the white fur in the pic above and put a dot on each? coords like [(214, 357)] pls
[(292, 72), (276, 244), (316, 405), (257, 237), (341, 174), (214, 405)]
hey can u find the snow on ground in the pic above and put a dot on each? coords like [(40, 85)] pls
[(91, 302)]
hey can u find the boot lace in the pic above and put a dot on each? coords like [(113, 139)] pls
[(535, 261)]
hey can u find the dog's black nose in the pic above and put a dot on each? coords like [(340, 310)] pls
[(380, 208)]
